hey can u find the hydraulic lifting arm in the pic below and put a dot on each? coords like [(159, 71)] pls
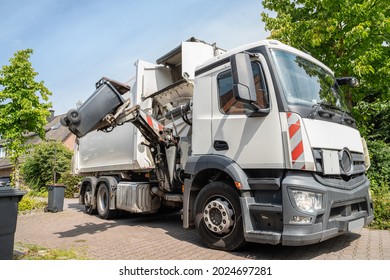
[(161, 142), (153, 131)]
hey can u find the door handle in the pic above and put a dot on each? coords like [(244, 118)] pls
[(220, 145)]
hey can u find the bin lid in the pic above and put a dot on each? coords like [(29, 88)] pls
[(57, 185), (9, 191)]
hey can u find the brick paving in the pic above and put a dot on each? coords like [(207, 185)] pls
[(162, 237)]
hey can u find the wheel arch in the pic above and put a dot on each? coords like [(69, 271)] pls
[(112, 183), (201, 170), (88, 181)]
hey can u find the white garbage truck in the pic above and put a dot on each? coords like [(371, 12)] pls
[(254, 144)]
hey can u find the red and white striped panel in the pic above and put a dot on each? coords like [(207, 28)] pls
[(296, 142), (154, 124)]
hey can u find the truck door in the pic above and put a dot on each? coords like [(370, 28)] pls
[(251, 141)]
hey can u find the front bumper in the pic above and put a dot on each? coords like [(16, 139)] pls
[(343, 210)]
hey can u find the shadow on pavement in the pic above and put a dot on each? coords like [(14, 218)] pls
[(89, 228), (76, 206), (279, 252), (171, 223)]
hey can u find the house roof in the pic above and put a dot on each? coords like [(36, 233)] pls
[(54, 131)]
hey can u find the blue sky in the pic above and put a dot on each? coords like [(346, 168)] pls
[(76, 43)]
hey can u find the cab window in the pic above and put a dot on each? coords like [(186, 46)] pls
[(229, 105)]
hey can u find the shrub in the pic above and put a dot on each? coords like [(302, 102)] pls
[(381, 198), (29, 203), (71, 183), (379, 175), (45, 160)]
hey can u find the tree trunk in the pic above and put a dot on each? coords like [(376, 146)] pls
[(16, 174)]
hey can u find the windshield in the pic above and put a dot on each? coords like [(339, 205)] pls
[(306, 83)]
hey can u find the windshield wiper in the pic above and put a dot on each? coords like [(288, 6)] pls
[(347, 119), (321, 112), (345, 116)]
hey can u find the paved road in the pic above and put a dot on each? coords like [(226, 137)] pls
[(152, 237)]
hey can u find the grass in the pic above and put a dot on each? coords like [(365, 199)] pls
[(36, 252)]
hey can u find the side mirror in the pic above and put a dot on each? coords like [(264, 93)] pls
[(243, 82), (349, 81)]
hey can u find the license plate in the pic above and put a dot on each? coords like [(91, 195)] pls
[(356, 224), (330, 162)]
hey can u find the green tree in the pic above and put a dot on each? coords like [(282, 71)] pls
[(350, 36), (24, 107), (47, 162)]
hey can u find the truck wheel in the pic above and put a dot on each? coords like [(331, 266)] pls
[(88, 196), (103, 203), (218, 218)]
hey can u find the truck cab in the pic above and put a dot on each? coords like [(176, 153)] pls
[(283, 140)]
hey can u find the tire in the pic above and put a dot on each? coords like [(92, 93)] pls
[(73, 116), (103, 203), (218, 218), (64, 121), (88, 198)]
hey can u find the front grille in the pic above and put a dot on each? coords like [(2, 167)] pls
[(358, 166)]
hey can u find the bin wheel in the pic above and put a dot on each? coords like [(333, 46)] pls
[(103, 203), (45, 209), (218, 218), (54, 210), (64, 121), (73, 116)]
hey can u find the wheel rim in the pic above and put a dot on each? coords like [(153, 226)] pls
[(102, 199), (88, 198), (218, 216)]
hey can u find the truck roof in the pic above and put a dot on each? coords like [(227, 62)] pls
[(269, 43), (173, 57)]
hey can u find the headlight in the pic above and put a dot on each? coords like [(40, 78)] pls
[(307, 201)]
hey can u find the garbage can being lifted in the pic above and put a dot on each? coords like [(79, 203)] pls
[(56, 198), (106, 98)]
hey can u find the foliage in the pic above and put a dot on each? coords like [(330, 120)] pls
[(350, 36), (373, 119), (381, 198), (44, 160), (35, 252), (24, 107), (379, 172), (29, 203), (71, 182), (43, 193), (379, 175)]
